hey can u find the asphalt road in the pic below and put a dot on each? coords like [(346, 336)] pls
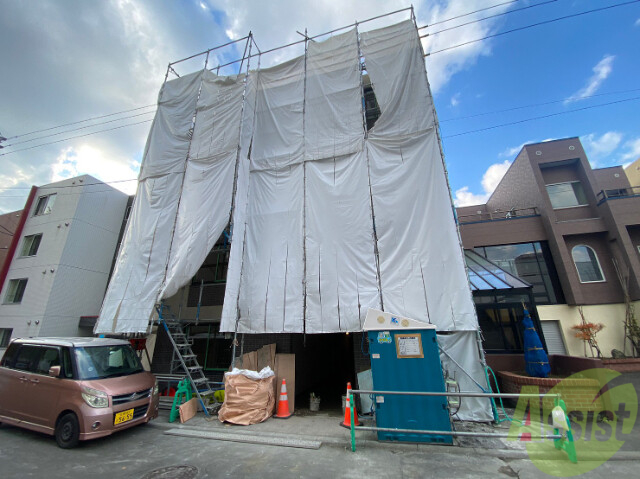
[(143, 452), (138, 452)]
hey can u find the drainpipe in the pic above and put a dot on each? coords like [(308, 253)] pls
[(17, 234)]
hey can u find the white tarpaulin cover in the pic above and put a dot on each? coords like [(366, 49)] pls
[(462, 348), (142, 260), (205, 203), (328, 219)]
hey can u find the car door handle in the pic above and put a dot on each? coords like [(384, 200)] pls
[(23, 379), (34, 380)]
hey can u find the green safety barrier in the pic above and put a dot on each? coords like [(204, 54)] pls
[(566, 443), (183, 394)]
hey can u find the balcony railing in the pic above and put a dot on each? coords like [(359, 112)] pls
[(498, 215), (616, 193)]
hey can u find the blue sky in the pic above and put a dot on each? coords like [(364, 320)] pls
[(541, 65), (68, 61)]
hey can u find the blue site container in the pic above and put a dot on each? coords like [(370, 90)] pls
[(405, 357)]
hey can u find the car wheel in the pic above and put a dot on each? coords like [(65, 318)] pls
[(67, 431)]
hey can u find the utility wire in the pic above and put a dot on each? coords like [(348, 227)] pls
[(67, 186), (427, 54), (447, 136), (487, 18), (467, 14), (73, 137), (148, 106), (545, 22), (542, 117), (78, 129), (78, 122), (533, 105)]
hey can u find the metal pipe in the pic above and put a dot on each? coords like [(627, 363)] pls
[(209, 50), (319, 35), (457, 433), (457, 394)]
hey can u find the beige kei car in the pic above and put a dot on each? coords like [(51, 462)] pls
[(75, 388)]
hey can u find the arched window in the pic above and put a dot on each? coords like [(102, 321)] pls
[(587, 264)]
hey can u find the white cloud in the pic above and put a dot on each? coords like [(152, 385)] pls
[(455, 99), (511, 152), (493, 175), (75, 59), (600, 73), (87, 159), (277, 26), (463, 197), (632, 152), (599, 147), (490, 180)]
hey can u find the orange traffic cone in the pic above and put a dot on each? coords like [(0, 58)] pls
[(526, 436), (347, 411), (283, 402)]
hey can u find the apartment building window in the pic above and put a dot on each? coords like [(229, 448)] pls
[(45, 204), (531, 262), (15, 291), (30, 245), (5, 336), (587, 264), (566, 195)]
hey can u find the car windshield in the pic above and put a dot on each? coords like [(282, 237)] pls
[(97, 362)]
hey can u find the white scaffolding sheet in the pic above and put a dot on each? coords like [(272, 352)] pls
[(327, 220), (422, 268), (310, 188), (205, 203), (142, 260), (461, 347)]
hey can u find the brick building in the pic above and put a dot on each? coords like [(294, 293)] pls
[(569, 230)]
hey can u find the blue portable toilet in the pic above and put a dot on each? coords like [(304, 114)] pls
[(405, 357)]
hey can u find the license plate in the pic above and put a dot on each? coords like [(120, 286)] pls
[(123, 416)]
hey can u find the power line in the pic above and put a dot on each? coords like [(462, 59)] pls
[(78, 129), (542, 117), (73, 137), (467, 14), (447, 136), (533, 105), (80, 121), (487, 18), (428, 54), (65, 186), (148, 106), (545, 22)]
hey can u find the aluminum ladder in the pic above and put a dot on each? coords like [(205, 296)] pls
[(187, 361)]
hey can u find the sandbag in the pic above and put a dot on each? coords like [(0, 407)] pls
[(247, 400)]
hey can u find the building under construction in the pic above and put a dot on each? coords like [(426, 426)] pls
[(280, 204)]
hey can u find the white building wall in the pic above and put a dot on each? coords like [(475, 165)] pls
[(83, 272), (79, 238), (610, 315)]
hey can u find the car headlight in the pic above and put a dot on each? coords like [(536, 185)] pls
[(95, 398), (156, 389)]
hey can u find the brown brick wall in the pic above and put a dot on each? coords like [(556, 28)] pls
[(578, 394), (517, 189)]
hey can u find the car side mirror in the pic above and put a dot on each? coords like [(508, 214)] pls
[(54, 371)]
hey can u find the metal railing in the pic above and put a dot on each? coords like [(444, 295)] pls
[(498, 215), (561, 441), (616, 193)]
